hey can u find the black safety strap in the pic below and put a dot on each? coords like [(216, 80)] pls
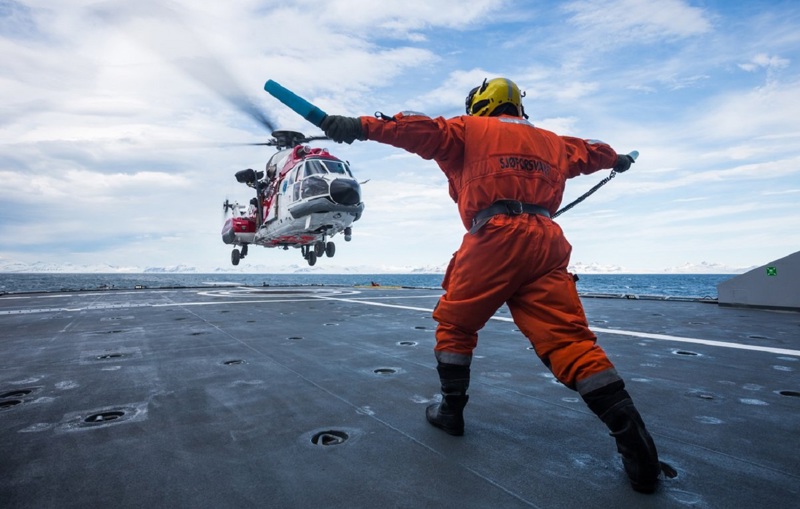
[(586, 194)]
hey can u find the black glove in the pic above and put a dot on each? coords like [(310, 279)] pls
[(623, 163), (342, 129)]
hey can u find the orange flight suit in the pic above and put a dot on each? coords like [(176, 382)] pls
[(518, 260)]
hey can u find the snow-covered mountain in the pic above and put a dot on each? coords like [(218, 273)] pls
[(594, 268), (322, 267), (15, 266), (706, 268), (326, 267)]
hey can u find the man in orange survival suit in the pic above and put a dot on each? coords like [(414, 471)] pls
[(507, 178)]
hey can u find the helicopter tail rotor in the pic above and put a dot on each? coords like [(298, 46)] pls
[(227, 205)]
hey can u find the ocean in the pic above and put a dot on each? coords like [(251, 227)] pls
[(703, 286)]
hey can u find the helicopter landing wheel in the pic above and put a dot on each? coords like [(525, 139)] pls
[(330, 249), (244, 250), (235, 257), (319, 248), (312, 258)]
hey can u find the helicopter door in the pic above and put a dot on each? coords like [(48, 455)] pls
[(298, 178), (272, 212), (283, 195)]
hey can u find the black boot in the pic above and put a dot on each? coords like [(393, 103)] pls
[(449, 414), (634, 443), (639, 456)]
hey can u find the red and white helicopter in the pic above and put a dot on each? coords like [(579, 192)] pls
[(306, 195), (303, 199)]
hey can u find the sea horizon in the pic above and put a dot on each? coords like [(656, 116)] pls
[(664, 285)]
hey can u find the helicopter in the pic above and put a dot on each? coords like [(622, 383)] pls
[(303, 199)]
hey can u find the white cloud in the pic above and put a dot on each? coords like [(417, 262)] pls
[(640, 19), (89, 187), (108, 134), (785, 191), (762, 60), (752, 113), (396, 18)]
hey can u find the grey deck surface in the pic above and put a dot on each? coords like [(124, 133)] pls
[(211, 398)]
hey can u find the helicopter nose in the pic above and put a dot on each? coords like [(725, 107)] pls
[(346, 192)]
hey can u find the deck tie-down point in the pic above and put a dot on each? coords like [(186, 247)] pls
[(107, 356), (16, 393), (9, 403), (329, 437), (104, 417), (13, 398), (685, 352)]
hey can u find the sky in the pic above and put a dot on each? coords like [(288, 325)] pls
[(119, 138)]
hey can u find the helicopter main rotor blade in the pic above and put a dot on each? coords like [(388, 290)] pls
[(161, 29), (255, 144), (214, 75)]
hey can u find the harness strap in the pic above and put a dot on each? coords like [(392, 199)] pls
[(587, 193), (507, 207)]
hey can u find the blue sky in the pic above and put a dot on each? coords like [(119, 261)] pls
[(111, 153)]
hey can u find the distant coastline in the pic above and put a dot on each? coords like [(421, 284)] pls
[(668, 285), (579, 268)]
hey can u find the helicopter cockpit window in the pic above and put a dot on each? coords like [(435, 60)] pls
[(317, 166), (314, 186)]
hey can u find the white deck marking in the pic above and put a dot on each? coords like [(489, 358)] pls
[(95, 307), (311, 297), (710, 342), (256, 295), (379, 304), (679, 339), (647, 335)]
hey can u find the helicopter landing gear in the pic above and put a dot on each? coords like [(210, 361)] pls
[(309, 253), (348, 234), (319, 248), (236, 255), (330, 249)]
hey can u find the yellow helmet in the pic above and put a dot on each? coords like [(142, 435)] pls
[(484, 100)]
